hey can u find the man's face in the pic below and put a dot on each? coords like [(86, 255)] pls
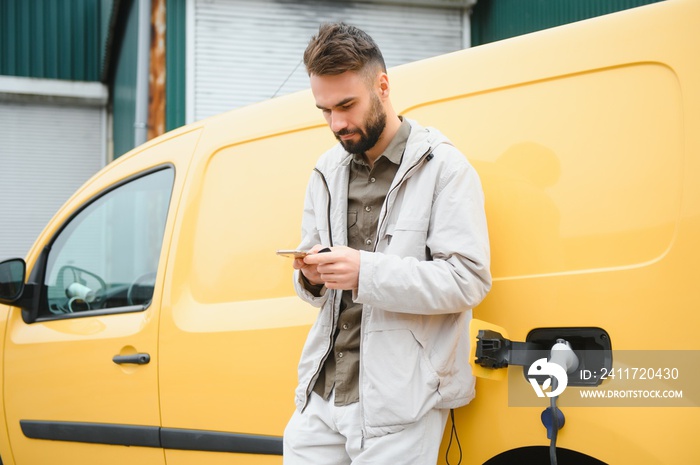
[(352, 109)]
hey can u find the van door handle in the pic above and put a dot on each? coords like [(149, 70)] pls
[(138, 359)]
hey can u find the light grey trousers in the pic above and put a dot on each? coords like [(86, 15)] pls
[(328, 435)]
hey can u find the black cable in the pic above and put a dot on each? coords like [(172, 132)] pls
[(287, 79), (555, 425), (453, 434)]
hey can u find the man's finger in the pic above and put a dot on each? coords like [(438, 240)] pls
[(319, 258)]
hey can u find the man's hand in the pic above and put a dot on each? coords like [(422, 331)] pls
[(309, 271), (337, 269)]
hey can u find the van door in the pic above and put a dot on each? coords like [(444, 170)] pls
[(81, 378)]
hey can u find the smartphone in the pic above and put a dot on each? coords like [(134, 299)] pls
[(292, 253)]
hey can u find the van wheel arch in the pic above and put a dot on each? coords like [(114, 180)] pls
[(540, 454)]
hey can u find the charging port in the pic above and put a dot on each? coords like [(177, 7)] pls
[(591, 345)]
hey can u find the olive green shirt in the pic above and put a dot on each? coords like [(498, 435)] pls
[(367, 189)]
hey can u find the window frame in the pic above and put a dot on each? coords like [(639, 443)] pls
[(41, 311)]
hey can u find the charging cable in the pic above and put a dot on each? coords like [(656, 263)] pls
[(563, 355)]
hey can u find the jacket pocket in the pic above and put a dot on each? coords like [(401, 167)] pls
[(407, 238), (399, 383)]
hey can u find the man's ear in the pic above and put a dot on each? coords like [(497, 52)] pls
[(383, 85)]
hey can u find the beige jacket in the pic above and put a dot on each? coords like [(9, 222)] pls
[(430, 267)]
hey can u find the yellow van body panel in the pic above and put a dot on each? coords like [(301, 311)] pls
[(584, 137), (584, 140)]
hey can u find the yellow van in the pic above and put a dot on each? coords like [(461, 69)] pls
[(156, 324)]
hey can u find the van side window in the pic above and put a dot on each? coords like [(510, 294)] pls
[(107, 255)]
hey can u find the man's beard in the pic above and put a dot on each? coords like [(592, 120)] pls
[(374, 126)]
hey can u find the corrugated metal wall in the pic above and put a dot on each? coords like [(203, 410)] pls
[(124, 83), (54, 39), (175, 63), (66, 39), (494, 20), (46, 152), (246, 51)]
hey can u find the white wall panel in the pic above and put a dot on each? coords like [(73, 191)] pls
[(47, 151), (245, 51)]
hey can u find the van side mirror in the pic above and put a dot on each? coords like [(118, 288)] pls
[(12, 274)]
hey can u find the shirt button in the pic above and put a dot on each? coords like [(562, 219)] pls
[(368, 208), (346, 326), (340, 355), (368, 242), (372, 179)]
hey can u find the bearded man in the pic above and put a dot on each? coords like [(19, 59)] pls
[(398, 256)]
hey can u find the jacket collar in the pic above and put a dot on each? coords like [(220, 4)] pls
[(421, 141)]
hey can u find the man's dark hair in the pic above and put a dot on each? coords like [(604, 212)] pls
[(339, 47)]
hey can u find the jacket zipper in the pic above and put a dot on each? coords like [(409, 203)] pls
[(328, 208), (333, 318), (317, 372)]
